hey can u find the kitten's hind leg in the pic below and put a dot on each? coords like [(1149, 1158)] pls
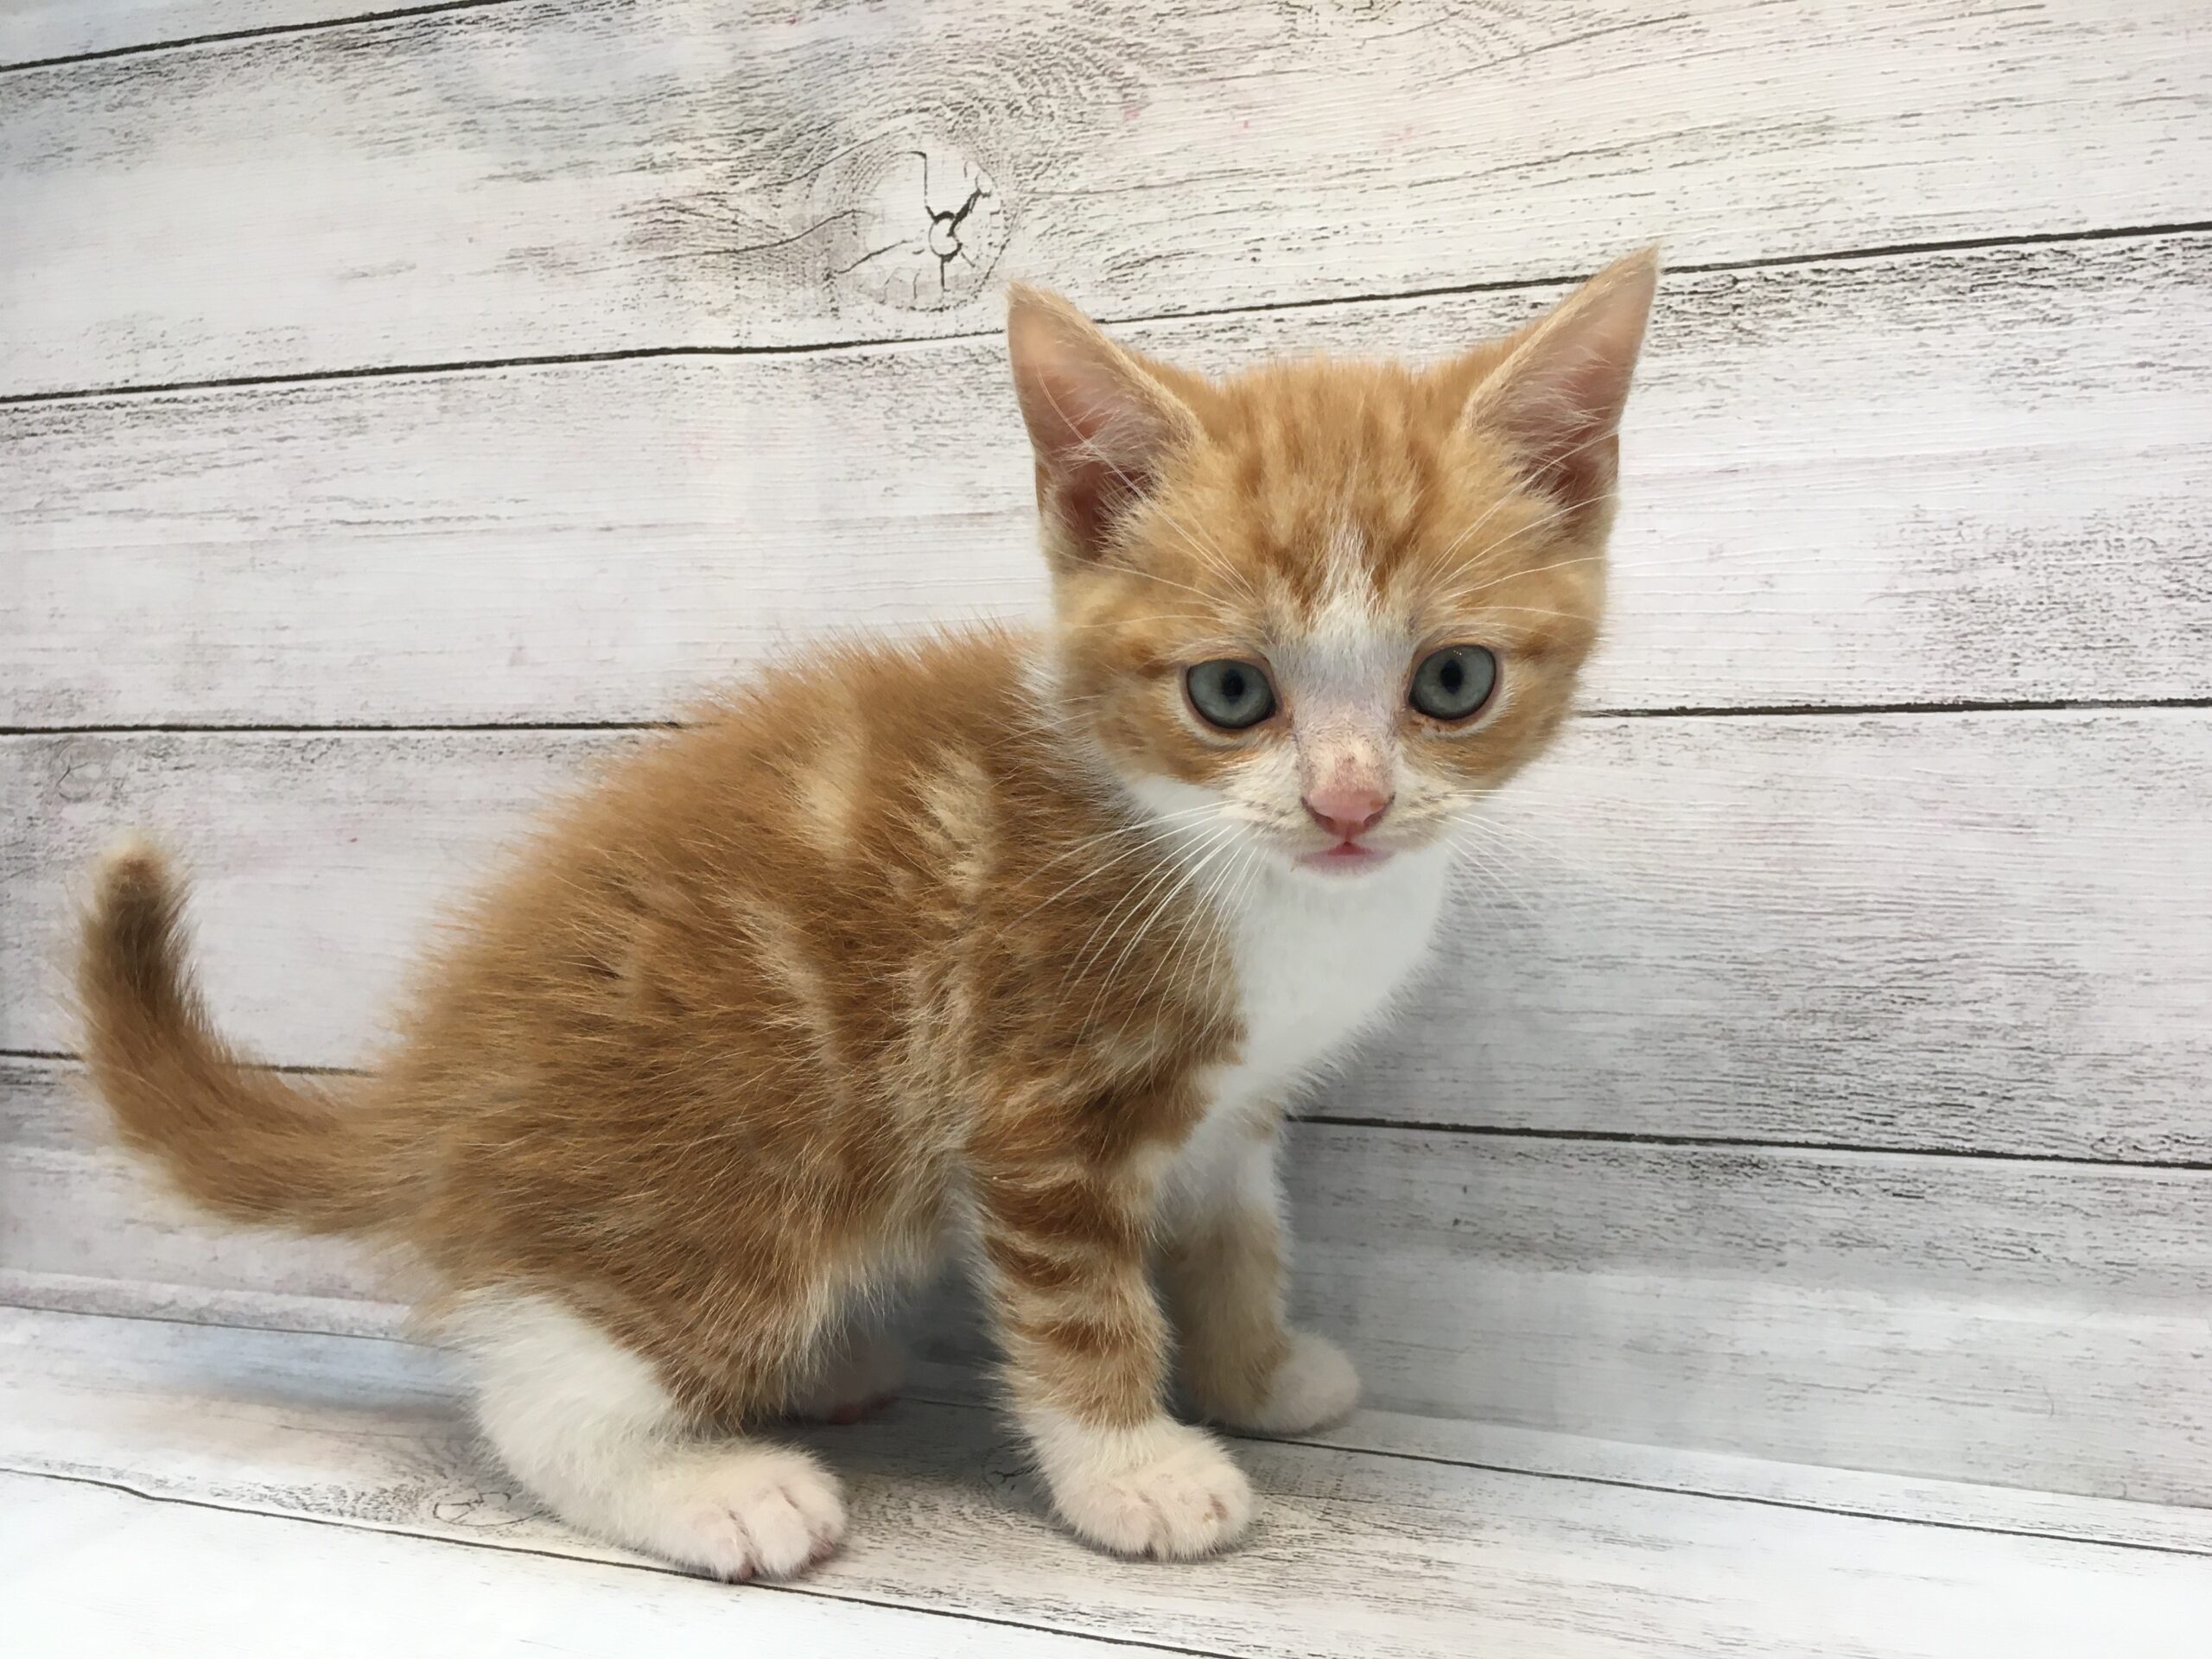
[(857, 1373), (587, 1427)]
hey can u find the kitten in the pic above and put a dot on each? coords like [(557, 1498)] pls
[(1015, 944)]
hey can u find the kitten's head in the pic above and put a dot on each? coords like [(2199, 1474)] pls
[(1332, 603)]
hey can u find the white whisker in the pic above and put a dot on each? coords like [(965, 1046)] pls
[(1211, 848)]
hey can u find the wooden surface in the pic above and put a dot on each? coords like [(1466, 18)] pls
[(587, 543), (1370, 1554), (38, 32), (1977, 1319), (1952, 931), (536, 180), (92, 1569)]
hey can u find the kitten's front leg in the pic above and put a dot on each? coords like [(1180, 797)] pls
[(1086, 1349), (1222, 1272)]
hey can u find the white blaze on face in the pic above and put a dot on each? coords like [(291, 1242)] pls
[(1342, 678)]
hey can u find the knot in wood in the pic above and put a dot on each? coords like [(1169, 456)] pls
[(80, 772), (926, 225)]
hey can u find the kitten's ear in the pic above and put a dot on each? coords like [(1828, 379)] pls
[(1557, 395), (1101, 422)]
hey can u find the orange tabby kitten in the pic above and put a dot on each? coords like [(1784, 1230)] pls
[(1008, 942)]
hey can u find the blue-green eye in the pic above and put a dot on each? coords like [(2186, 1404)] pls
[(1454, 682), (1229, 694)]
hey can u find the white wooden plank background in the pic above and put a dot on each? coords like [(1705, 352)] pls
[(1382, 1556), (1986, 1320), (590, 542), (1986, 931), (539, 179), (39, 31)]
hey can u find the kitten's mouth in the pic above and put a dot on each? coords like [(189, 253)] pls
[(1344, 858)]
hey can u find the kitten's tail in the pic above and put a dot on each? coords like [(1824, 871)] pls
[(256, 1147)]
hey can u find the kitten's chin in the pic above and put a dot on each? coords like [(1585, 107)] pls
[(1344, 860)]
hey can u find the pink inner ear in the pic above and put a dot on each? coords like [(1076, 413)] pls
[(1098, 424), (1558, 399), (1075, 409), (1095, 454), (1563, 422)]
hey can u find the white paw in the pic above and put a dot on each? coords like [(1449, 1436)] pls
[(1160, 1490), (740, 1512), (1313, 1387)]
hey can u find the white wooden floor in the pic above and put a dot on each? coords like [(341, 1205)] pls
[(178, 1487)]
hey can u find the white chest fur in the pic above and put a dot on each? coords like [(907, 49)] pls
[(1319, 960)]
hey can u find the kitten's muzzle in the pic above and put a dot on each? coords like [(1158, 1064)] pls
[(1347, 813)]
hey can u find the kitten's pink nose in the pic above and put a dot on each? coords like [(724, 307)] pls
[(1348, 813)]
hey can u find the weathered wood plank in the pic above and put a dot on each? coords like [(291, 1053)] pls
[(1986, 1320), (552, 178), (75, 1208), (1967, 1319), (1982, 932), (1692, 1471), (1959, 476), (35, 31), (1989, 931), (1760, 1480), (1356, 1556), (87, 1569)]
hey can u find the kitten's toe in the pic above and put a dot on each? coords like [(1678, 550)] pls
[(1163, 1490), (1315, 1385), (746, 1512)]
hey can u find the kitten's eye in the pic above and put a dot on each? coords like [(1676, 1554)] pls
[(1230, 694), (1455, 681)]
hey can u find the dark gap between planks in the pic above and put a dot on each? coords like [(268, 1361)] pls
[(64, 1058), (221, 37), (471, 365)]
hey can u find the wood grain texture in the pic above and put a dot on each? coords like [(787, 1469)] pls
[(87, 1569), (1990, 1321), (1961, 476), (556, 178), (1762, 1480), (1985, 932), (83, 1222), (1378, 1556), (1965, 1319), (36, 31), (1500, 1447)]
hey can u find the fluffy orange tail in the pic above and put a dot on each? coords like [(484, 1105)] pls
[(246, 1143)]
